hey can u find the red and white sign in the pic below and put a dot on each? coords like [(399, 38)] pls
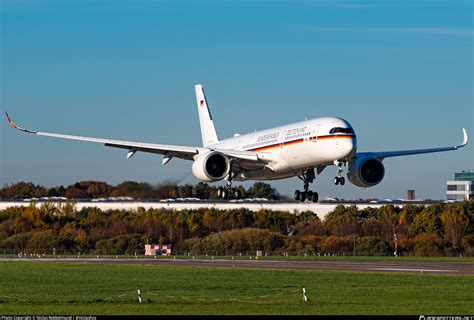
[(157, 250)]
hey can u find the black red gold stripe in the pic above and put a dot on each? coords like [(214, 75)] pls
[(342, 136), (297, 141)]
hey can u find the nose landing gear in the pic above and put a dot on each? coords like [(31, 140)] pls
[(339, 179), (308, 177)]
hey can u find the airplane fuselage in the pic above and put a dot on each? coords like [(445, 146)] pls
[(296, 147)]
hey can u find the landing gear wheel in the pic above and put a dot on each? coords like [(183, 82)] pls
[(315, 197), (336, 180), (219, 192), (309, 195), (225, 194), (297, 195), (303, 196), (342, 180), (237, 194)]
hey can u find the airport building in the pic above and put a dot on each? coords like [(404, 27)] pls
[(411, 195), (462, 188)]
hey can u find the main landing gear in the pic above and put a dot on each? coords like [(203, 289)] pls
[(308, 177), (339, 179), (228, 192)]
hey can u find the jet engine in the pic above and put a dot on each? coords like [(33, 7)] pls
[(211, 166), (366, 172)]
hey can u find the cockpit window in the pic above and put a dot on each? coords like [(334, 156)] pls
[(341, 130)]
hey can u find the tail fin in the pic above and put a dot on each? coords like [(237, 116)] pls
[(208, 132)]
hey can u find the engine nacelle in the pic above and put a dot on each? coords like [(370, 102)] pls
[(211, 166), (366, 172)]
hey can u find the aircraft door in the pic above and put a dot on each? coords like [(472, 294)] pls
[(281, 138), (315, 133)]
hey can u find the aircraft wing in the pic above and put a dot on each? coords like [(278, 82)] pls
[(169, 151), (389, 154)]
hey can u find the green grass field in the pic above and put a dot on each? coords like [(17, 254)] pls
[(86, 288)]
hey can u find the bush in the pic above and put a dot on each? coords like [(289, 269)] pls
[(337, 244), (123, 244), (427, 244), (371, 246), (237, 241), (43, 240), (22, 190), (17, 241)]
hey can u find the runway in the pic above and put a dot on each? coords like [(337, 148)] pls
[(400, 266)]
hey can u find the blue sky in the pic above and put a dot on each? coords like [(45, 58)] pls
[(401, 72)]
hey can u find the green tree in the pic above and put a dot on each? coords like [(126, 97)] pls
[(455, 224), (372, 228), (17, 241), (389, 221), (202, 190), (134, 190), (263, 190), (335, 244), (185, 191), (57, 191), (22, 190), (428, 220), (427, 244), (342, 221), (467, 207), (367, 213), (408, 212), (371, 246), (167, 189), (42, 241)]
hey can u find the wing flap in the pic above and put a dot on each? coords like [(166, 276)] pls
[(264, 157)]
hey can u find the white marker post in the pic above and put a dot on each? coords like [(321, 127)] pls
[(305, 298), (139, 296)]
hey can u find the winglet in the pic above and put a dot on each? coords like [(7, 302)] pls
[(17, 127), (465, 139), (10, 120)]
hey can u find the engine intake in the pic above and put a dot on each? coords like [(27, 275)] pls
[(211, 166), (366, 172)]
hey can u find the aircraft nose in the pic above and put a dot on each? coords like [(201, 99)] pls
[(350, 147)]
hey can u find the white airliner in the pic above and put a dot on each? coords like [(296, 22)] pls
[(296, 149)]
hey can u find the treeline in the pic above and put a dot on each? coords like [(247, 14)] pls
[(136, 190), (422, 230)]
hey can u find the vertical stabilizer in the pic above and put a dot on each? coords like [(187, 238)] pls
[(208, 132)]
